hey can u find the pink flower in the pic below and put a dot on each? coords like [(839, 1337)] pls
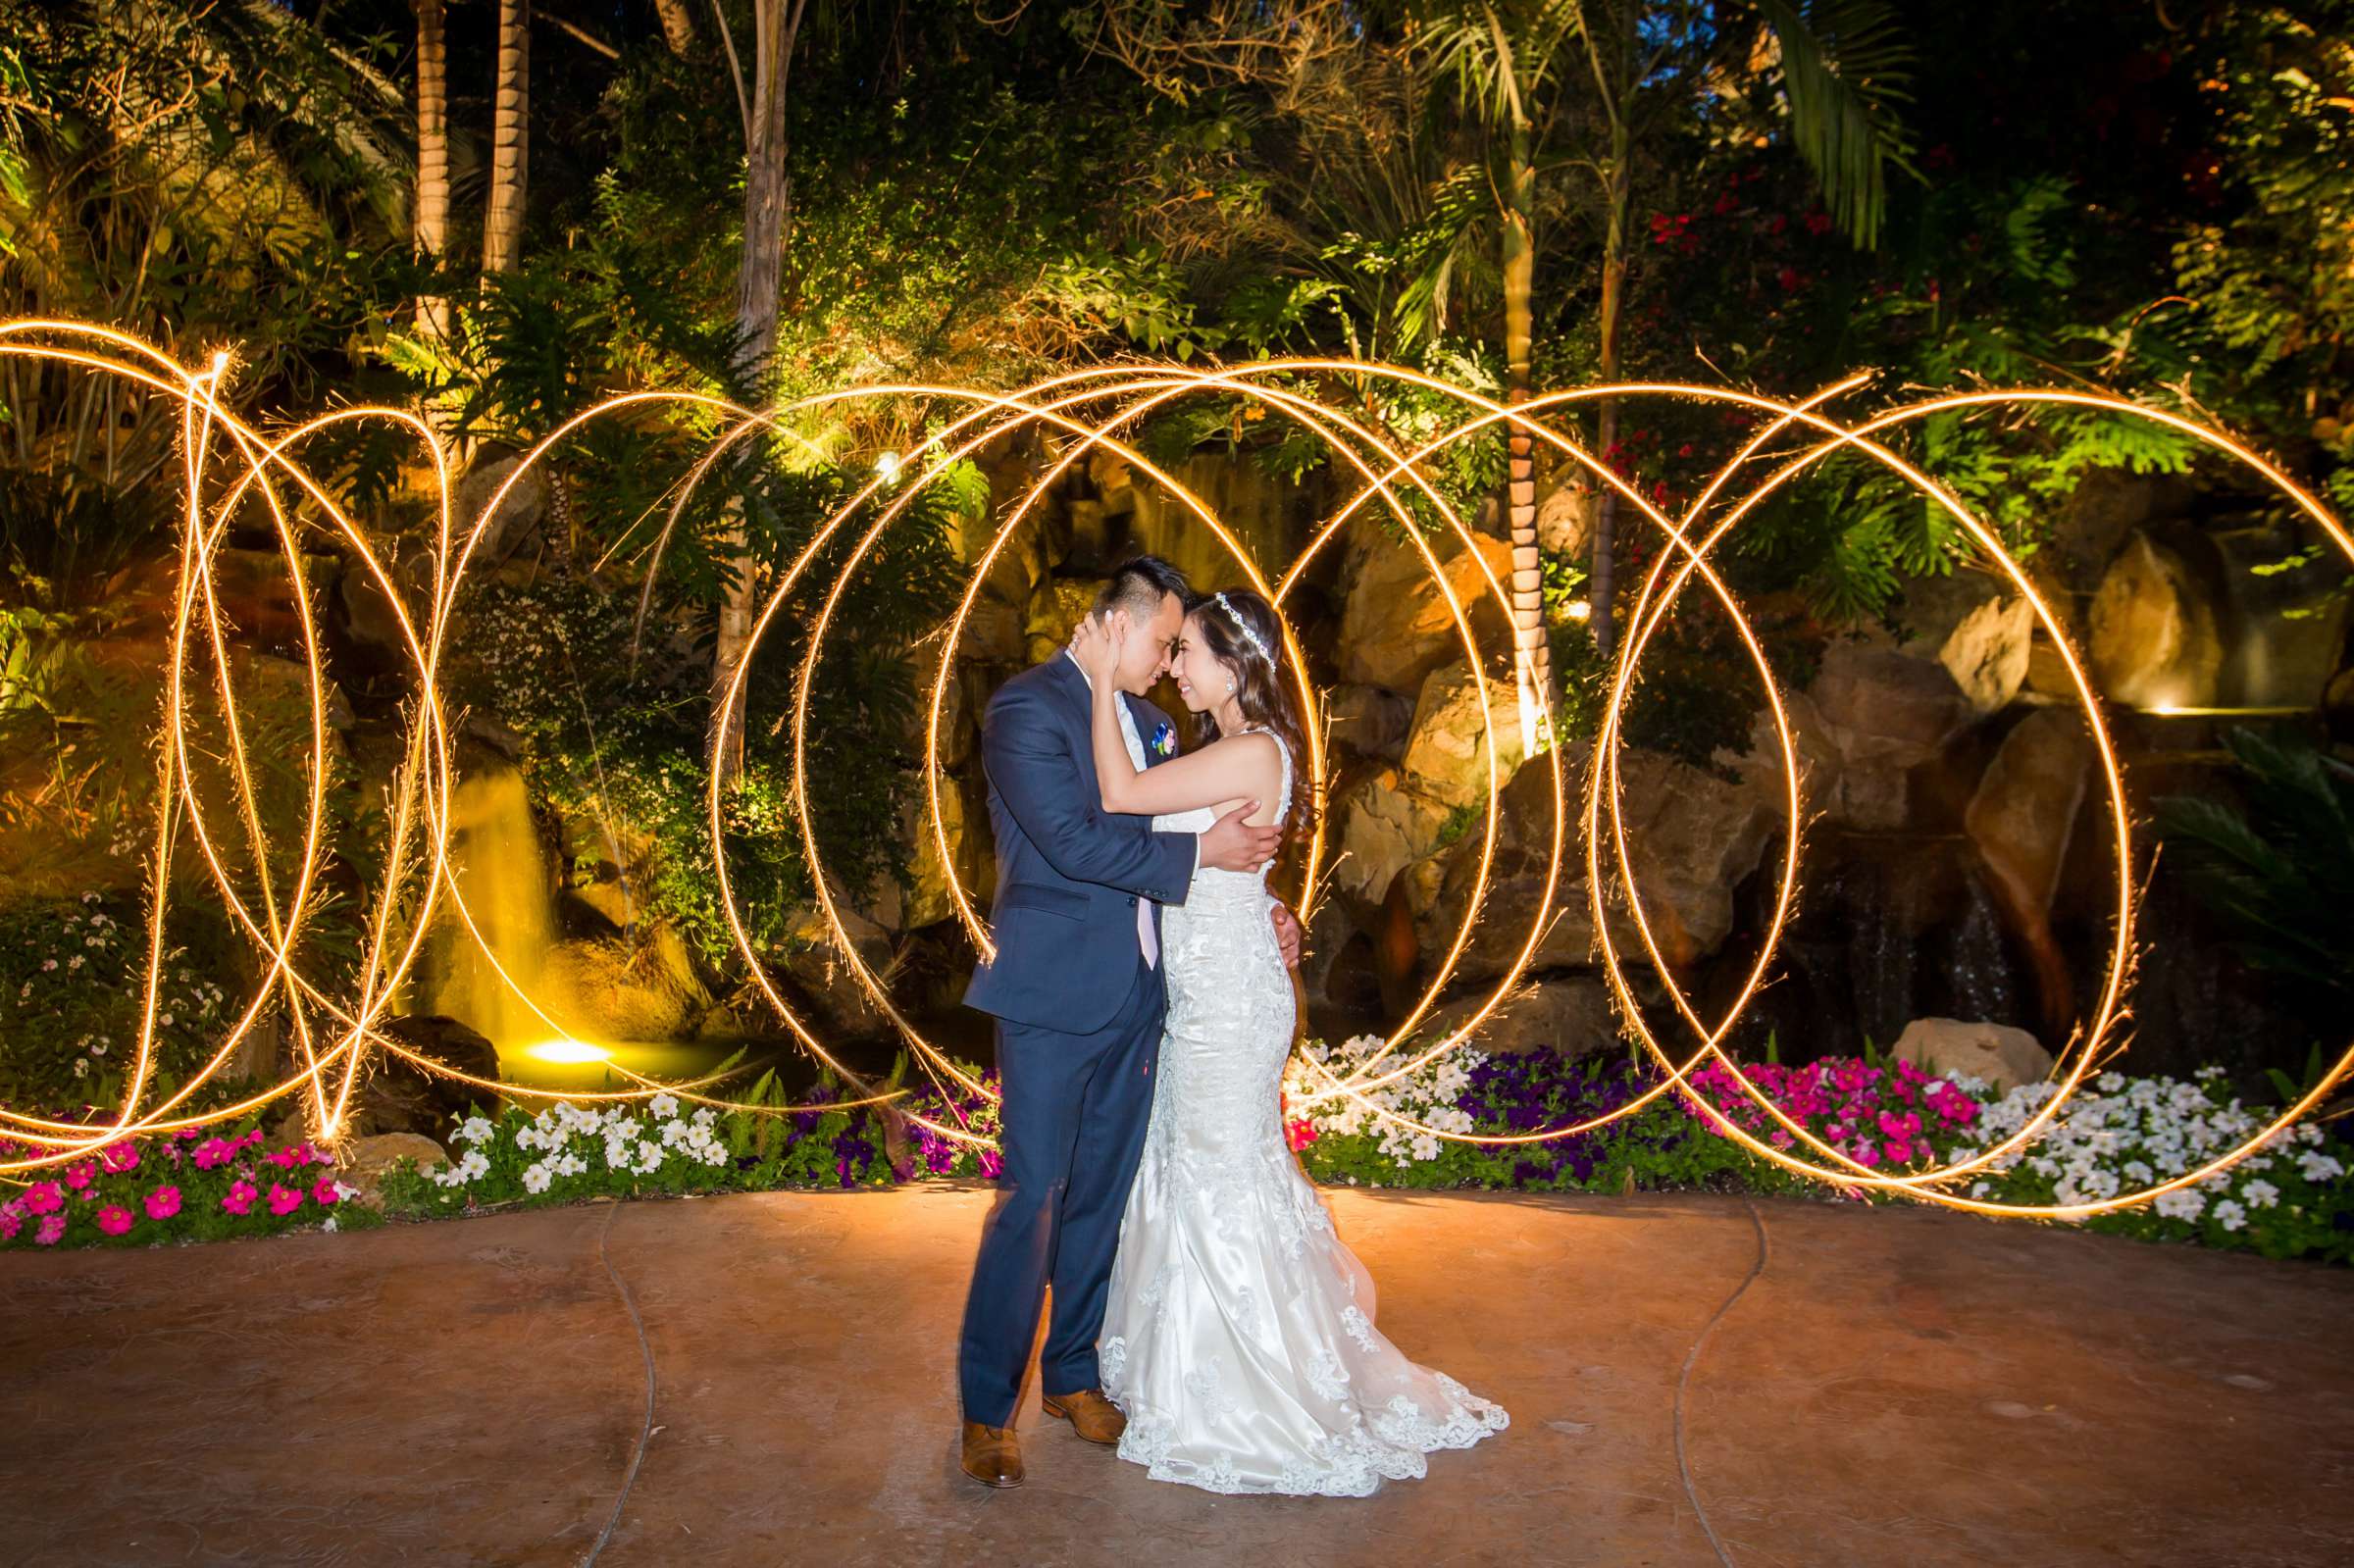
[(163, 1202), (44, 1197), (11, 1222), (285, 1158), (214, 1150), (284, 1201), (323, 1192), (119, 1157), (77, 1176), (52, 1230), (1899, 1153), (241, 1194), (114, 1219)]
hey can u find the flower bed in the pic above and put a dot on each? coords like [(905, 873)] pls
[(197, 1185), (565, 1153), (2290, 1200)]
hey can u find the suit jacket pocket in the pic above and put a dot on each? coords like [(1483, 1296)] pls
[(1067, 902)]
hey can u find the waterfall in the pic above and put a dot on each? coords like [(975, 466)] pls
[(496, 861)]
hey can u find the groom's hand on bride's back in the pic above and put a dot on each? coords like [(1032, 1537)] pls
[(1232, 845)]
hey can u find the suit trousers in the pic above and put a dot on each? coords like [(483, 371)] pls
[(1072, 1130)]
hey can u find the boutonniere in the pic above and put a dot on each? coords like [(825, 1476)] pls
[(1165, 739)]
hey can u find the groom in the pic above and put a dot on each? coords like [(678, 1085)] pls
[(1076, 990)]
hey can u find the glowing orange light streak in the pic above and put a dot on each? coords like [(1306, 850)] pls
[(420, 807)]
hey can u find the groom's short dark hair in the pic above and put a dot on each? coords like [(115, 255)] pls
[(1138, 587)]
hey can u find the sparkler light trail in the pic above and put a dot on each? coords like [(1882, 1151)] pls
[(336, 1036)]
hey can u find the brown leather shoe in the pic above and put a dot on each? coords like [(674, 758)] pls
[(993, 1455), (1094, 1417)]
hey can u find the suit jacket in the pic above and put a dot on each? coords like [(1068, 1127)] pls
[(1069, 873)]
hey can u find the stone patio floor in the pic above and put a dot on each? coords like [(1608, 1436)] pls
[(1890, 1387)]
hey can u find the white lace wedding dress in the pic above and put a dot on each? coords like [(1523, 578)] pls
[(1239, 1338)]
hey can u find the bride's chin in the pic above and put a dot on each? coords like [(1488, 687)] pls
[(1192, 704)]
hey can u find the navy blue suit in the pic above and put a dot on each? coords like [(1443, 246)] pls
[(1079, 1016)]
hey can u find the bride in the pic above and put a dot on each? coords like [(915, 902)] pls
[(1239, 1338)]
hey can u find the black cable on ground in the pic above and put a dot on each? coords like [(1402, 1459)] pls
[(645, 1427), (1683, 1464)]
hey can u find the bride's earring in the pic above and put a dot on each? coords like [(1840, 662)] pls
[(1230, 686)]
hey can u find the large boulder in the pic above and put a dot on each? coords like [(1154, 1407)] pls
[(1692, 838), (1446, 743), (1370, 720), (1565, 520), (1882, 705), (827, 981), (2003, 1056), (1570, 1014), (2021, 819), (1886, 712), (2024, 808), (1383, 826), (2154, 636), (362, 1163), (638, 987), (522, 509), (1987, 653), (399, 1096), (1395, 624)]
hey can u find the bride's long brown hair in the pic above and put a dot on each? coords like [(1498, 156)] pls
[(1268, 700)]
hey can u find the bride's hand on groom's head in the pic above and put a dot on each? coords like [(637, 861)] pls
[(1096, 644), (1230, 844)]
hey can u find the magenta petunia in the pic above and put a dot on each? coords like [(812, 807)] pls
[(163, 1202), (119, 1157), (284, 1201), (239, 1200), (115, 1219), (77, 1176), (214, 1150), (44, 1197), (324, 1193), (52, 1230)]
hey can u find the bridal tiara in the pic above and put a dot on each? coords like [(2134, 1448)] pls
[(1244, 627)]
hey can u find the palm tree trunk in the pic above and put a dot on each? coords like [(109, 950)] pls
[(1616, 186), (1613, 297), (1532, 657), (510, 139), (433, 159), (760, 276)]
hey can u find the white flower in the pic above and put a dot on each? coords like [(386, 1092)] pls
[(663, 1106), (81, 1066), (2260, 1195), (536, 1178), (2318, 1167), (2183, 1203), (99, 1049), (330, 1224), (2229, 1215), (473, 1129)]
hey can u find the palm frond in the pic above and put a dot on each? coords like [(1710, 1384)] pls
[(1846, 66)]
